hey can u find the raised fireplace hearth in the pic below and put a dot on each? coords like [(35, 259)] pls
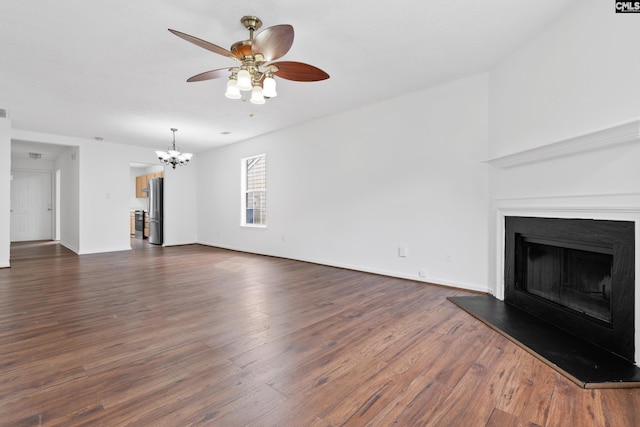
[(578, 274)]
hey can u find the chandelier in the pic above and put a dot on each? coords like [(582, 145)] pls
[(173, 156)]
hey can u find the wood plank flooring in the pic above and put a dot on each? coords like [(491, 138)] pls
[(193, 335)]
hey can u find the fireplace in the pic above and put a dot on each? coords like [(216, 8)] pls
[(577, 274)]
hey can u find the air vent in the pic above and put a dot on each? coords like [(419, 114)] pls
[(4, 113), (35, 156)]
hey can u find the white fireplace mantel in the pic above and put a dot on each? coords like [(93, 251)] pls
[(622, 133)]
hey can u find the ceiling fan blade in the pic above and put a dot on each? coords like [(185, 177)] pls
[(208, 75), (299, 72), (274, 42), (203, 44)]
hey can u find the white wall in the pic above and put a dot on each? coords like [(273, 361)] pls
[(5, 191), (104, 213), (579, 75), (32, 164), (350, 189), (68, 165), (181, 198)]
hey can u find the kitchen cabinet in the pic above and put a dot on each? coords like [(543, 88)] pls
[(141, 183), (146, 225), (133, 223)]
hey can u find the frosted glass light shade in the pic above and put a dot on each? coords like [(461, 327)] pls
[(244, 80), (257, 96), (232, 90), (269, 87), (184, 158)]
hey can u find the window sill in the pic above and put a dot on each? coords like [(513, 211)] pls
[(253, 225)]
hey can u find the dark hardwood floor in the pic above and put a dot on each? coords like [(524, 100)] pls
[(194, 335)]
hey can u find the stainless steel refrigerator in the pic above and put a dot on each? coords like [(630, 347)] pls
[(154, 192)]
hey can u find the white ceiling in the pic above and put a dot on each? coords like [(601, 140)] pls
[(111, 69)]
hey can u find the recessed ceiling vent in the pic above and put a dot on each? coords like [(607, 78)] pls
[(35, 156), (4, 113)]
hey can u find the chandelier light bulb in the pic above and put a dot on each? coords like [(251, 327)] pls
[(269, 87), (257, 96), (244, 80)]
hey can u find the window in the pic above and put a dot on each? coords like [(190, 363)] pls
[(254, 191)]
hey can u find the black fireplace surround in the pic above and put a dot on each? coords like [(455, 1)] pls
[(578, 274)]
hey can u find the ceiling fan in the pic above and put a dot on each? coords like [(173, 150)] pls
[(255, 73)]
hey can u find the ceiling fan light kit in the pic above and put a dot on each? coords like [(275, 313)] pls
[(255, 74)]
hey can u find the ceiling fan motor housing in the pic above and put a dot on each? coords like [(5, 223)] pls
[(251, 23)]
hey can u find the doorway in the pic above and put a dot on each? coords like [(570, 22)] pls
[(31, 205)]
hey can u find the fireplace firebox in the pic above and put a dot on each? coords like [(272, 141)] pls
[(578, 274)]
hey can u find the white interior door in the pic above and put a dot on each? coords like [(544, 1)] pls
[(31, 209)]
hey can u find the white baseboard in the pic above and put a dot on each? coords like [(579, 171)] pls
[(399, 275)]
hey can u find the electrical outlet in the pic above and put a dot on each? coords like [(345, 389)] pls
[(402, 251), (422, 273), (449, 256)]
